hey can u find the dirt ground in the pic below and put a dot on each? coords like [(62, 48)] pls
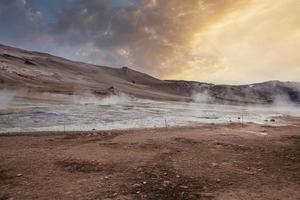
[(222, 162)]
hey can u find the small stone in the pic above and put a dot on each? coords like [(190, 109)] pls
[(144, 182), (19, 175), (137, 185), (218, 180), (249, 173), (184, 187), (167, 183), (215, 164), (209, 195)]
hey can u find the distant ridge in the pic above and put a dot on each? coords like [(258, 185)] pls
[(41, 72)]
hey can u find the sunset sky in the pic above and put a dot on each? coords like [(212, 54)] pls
[(219, 41)]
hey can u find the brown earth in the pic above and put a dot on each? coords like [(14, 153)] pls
[(223, 162)]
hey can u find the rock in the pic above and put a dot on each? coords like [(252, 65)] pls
[(218, 180), (19, 175), (125, 69), (184, 187), (28, 62), (214, 164), (208, 195), (136, 185), (272, 120), (113, 90), (250, 173), (166, 183), (205, 188)]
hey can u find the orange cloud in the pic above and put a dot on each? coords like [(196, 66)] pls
[(257, 42)]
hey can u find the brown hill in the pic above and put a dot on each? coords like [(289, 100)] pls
[(40, 72)]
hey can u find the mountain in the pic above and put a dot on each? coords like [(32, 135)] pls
[(36, 72), (40, 72)]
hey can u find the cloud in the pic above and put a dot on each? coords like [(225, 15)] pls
[(150, 35), (17, 19), (208, 40), (254, 43)]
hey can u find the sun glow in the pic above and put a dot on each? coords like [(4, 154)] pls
[(258, 41)]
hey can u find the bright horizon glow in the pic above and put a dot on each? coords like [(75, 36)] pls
[(240, 49)]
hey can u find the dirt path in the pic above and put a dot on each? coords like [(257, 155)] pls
[(205, 162)]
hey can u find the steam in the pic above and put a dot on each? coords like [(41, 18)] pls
[(273, 93), (115, 99), (282, 101), (6, 97), (289, 99), (120, 98), (203, 97)]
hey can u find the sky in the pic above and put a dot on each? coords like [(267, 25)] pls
[(217, 41)]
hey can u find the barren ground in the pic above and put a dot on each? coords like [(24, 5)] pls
[(206, 162)]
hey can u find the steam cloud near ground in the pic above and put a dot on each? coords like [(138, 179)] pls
[(281, 103), (203, 97), (142, 113), (6, 97), (108, 100)]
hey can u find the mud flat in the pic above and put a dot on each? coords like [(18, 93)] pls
[(231, 161), (122, 112)]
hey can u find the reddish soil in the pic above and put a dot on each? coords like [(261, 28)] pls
[(206, 162)]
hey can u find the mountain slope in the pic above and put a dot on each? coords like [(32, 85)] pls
[(40, 72)]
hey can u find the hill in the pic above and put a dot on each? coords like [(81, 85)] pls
[(36, 72)]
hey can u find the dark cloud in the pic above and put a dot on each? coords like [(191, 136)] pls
[(149, 35), (146, 33), (17, 20)]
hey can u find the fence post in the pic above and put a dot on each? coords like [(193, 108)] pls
[(64, 123)]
